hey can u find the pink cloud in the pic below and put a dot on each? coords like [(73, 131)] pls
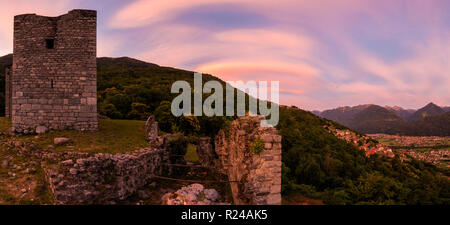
[(12, 8), (238, 69), (294, 79), (145, 12)]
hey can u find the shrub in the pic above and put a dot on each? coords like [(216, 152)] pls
[(257, 146)]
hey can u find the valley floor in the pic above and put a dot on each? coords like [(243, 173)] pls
[(431, 149)]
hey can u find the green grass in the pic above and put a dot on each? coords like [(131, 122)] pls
[(191, 154), (5, 124), (388, 141), (113, 136)]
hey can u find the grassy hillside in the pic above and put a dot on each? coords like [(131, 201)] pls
[(113, 136)]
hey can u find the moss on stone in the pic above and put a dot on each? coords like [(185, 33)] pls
[(257, 146)]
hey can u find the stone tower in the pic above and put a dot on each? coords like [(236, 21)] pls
[(53, 80), (8, 91)]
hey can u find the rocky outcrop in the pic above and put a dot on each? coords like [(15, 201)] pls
[(104, 178), (251, 157)]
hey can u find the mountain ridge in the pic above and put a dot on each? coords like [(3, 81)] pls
[(430, 109), (429, 120)]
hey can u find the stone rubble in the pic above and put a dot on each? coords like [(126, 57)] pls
[(194, 194), (61, 140)]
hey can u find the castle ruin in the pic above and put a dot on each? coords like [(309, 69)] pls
[(52, 83)]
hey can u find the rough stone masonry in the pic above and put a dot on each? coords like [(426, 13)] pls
[(255, 177), (53, 80), (105, 178)]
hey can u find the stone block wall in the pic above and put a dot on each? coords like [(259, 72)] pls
[(54, 72), (206, 153), (104, 178), (255, 177), (8, 92)]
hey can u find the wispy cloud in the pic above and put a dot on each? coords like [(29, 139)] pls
[(325, 53)]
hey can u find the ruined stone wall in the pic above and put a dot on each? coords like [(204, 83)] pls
[(54, 88), (251, 157), (206, 153), (104, 178), (8, 92)]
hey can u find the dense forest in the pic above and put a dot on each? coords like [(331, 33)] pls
[(319, 165), (315, 163)]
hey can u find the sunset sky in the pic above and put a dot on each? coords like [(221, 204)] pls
[(325, 53)]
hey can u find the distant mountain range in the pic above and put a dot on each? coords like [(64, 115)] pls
[(401, 112), (431, 120), (427, 111)]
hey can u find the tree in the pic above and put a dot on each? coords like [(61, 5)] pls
[(139, 111), (164, 116), (189, 125), (109, 110), (121, 101)]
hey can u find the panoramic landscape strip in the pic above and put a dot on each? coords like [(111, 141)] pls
[(277, 105)]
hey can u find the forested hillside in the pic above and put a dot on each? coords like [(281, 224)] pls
[(319, 165)]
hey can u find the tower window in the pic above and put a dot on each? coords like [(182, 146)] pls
[(51, 84), (50, 43)]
